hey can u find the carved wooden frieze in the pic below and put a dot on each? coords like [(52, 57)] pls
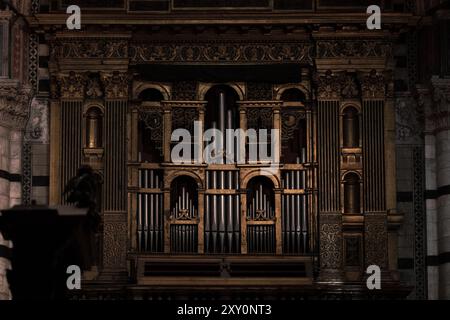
[(353, 48), (98, 48), (215, 53)]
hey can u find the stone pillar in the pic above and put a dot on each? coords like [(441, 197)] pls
[(440, 116), (5, 265), (14, 102)]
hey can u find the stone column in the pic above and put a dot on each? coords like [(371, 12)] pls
[(14, 102), (440, 115)]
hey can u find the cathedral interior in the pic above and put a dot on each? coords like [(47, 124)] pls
[(362, 173)]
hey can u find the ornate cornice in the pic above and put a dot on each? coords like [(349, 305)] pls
[(353, 48), (89, 48), (14, 104)]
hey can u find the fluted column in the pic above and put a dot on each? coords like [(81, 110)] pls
[(115, 226), (330, 218)]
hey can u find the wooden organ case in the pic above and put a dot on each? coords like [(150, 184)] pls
[(320, 218)]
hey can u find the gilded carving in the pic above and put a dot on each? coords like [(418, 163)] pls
[(115, 238), (353, 48), (375, 239), (116, 84), (373, 85), (328, 86), (213, 52), (330, 242), (90, 49), (72, 85)]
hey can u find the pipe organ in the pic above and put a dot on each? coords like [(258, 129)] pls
[(318, 193)]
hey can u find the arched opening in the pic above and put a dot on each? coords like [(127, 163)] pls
[(222, 114), (94, 128), (294, 135), (352, 193), (351, 128), (151, 95), (293, 95), (150, 128), (184, 212), (221, 111), (260, 207)]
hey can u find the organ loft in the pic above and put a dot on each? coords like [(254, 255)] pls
[(306, 76)]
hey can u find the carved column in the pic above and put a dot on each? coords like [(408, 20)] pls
[(14, 108), (115, 225), (373, 85), (330, 219)]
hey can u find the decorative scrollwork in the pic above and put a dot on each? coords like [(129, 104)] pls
[(290, 123), (99, 48), (259, 91), (213, 52), (328, 86), (259, 118), (353, 48), (153, 120), (72, 85), (373, 85), (116, 84), (184, 118)]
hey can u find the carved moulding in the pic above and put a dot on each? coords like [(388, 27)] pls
[(213, 52), (353, 48), (14, 104), (97, 48)]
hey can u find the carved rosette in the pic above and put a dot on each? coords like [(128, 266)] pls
[(373, 85), (116, 85), (71, 86), (14, 104)]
